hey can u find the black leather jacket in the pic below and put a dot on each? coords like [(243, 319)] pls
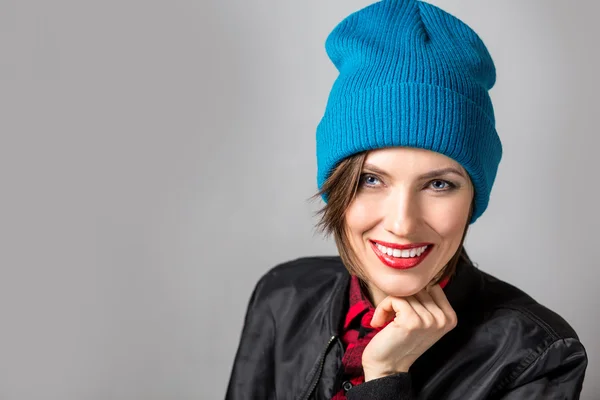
[(505, 346)]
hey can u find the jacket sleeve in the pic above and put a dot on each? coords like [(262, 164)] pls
[(252, 373), (396, 387), (557, 373)]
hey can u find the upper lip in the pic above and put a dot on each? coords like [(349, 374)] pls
[(401, 246)]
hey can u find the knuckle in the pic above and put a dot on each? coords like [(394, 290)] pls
[(413, 323), (440, 316), (428, 321), (441, 324), (426, 324), (452, 321)]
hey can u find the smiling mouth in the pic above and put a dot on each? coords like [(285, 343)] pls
[(401, 258)]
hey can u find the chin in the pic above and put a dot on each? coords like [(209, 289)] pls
[(401, 287)]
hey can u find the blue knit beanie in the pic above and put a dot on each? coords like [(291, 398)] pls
[(411, 75)]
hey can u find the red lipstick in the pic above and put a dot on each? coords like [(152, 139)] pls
[(398, 262)]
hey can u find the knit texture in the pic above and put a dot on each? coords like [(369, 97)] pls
[(411, 75)]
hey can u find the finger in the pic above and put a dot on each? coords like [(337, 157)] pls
[(426, 319), (427, 301), (387, 310), (383, 313), (438, 295)]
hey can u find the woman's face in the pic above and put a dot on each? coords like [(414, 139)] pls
[(407, 199)]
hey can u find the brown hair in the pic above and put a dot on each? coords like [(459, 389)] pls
[(340, 189)]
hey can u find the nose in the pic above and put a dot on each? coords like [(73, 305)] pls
[(402, 213)]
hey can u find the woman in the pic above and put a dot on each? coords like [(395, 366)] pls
[(407, 154)]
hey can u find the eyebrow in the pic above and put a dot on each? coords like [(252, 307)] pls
[(428, 175)]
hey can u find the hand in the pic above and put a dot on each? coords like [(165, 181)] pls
[(415, 323)]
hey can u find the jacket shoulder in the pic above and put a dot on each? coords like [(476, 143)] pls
[(518, 341), (303, 280), (303, 272), (503, 299)]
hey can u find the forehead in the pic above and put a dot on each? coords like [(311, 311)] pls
[(409, 159)]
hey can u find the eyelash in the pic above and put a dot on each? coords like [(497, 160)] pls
[(449, 185)]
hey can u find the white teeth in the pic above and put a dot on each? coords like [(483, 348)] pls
[(415, 252)]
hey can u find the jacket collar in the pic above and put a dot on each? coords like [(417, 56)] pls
[(461, 291)]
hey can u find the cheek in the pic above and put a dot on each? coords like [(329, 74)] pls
[(361, 215), (449, 219)]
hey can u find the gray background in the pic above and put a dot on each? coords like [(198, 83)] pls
[(156, 158)]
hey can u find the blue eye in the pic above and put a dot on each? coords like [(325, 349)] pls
[(441, 186), (368, 180)]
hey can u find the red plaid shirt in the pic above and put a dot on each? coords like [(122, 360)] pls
[(356, 335)]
